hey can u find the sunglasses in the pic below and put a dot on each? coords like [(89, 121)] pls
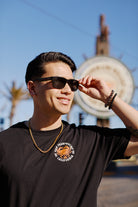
[(60, 82)]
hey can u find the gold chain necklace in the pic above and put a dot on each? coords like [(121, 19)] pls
[(34, 142)]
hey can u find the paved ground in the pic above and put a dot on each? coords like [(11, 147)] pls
[(119, 188)]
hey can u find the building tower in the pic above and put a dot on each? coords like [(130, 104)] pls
[(102, 41), (102, 48)]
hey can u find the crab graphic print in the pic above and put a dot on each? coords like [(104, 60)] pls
[(64, 151)]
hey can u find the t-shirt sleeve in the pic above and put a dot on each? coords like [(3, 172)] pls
[(107, 144), (113, 143)]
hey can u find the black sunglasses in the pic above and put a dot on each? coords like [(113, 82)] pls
[(60, 82)]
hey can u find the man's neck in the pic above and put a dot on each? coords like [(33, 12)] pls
[(45, 123)]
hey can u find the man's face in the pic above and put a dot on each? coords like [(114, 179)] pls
[(49, 100)]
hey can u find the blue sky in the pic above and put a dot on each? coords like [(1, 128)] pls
[(29, 27)]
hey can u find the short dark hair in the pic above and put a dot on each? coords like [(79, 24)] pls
[(35, 68)]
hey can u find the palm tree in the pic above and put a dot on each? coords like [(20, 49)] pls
[(15, 95)]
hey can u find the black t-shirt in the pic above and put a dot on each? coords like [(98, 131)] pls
[(68, 175)]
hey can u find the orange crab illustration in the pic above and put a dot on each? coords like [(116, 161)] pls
[(64, 152)]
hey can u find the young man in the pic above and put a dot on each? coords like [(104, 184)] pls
[(46, 162)]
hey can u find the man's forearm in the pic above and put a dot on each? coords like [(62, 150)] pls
[(126, 113)]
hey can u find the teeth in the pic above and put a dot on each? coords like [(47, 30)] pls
[(64, 101)]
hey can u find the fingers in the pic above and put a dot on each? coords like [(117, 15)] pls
[(88, 81), (90, 90), (87, 84), (83, 89), (85, 80), (94, 87)]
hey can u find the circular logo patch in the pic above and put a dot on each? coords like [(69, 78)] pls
[(64, 151)]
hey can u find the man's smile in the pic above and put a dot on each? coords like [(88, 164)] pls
[(64, 100)]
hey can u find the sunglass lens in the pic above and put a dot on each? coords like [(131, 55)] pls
[(58, 82), (73, 85)]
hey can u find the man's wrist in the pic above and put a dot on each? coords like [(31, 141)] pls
[(110, 99)]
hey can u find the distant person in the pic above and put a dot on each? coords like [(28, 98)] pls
[(47, 162)]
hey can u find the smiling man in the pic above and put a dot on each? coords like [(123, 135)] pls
[(50, 104), (48, 162)]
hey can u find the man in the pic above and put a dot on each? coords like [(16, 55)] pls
[(46, 162)]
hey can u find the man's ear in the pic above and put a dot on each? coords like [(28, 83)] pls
[(31, 88)]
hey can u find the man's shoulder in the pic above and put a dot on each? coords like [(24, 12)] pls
[(13, 129), (18, 125), (84, 128)]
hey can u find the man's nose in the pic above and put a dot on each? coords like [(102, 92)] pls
[(66, 88)]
